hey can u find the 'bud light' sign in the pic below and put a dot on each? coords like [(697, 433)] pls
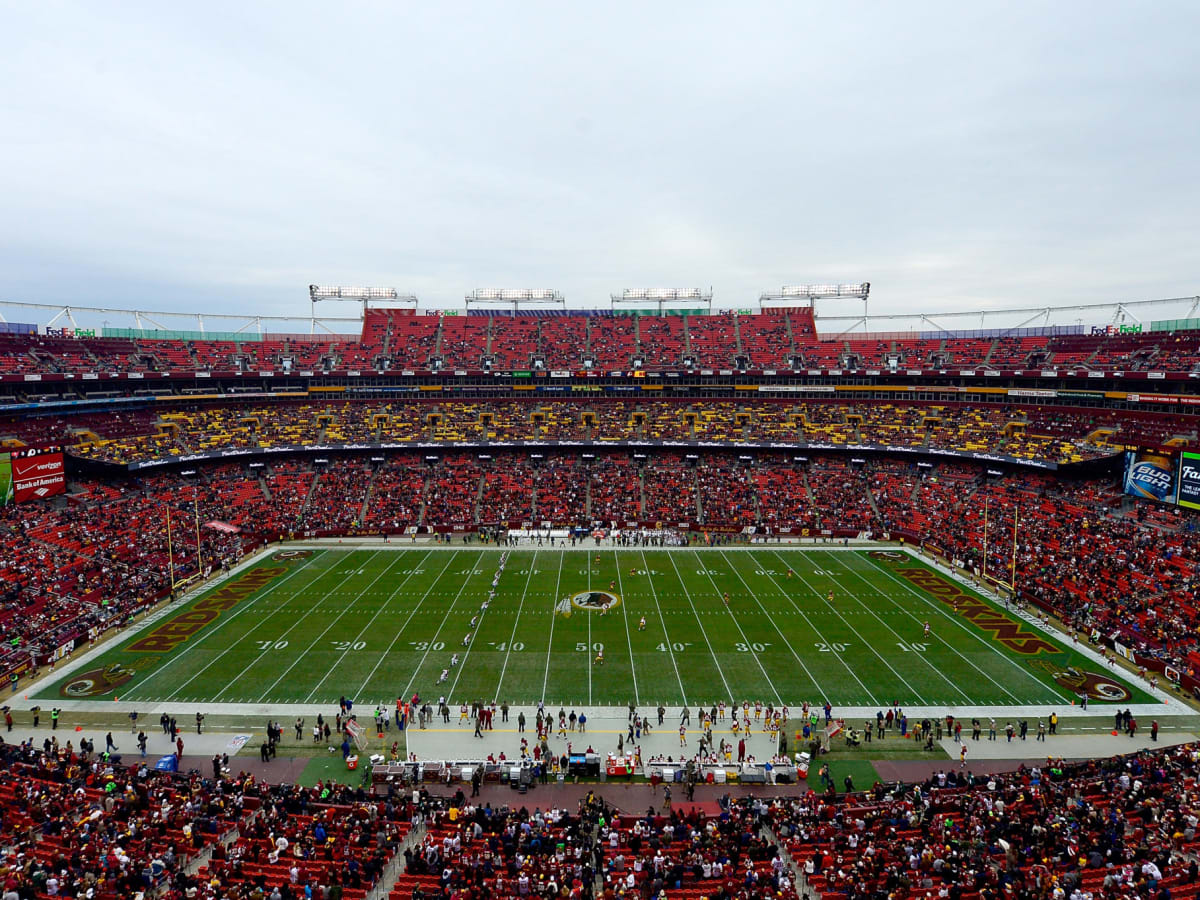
[(1150, 475)]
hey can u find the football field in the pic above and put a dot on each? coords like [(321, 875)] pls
[(595, 627)]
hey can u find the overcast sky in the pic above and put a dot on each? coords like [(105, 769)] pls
[(956, 155)]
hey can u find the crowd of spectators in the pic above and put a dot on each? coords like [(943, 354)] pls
[(78, 823), (1118, 828), (772, 339), (1056, 435)]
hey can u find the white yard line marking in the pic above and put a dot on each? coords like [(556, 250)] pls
[(246, 636), (787, 596), (628, 637), (249, 602), (942, 675), (587, 655), (553, 616), (770, 618), (436, 582), (666, 634), (345, 609), (978, 637), (736, 623), (462, 663), (449, 609), (516, 622), (899, 678), (390, 597), (856, 574)]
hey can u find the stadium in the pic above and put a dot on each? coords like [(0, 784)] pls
[(649, 507), (653, 452)]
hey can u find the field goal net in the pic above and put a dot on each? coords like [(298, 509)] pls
[(358, 734)]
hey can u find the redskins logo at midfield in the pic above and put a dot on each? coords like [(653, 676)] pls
[(98, 681), (1090, 684), (588, 601), (889, 555)]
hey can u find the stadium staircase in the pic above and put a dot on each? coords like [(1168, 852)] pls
[(424, 495), (866, 489), (312, 489), (812, 501), (641, 493), (263, 486), (479, 497), (362, 512), (737, 334), (696, 495), (533, 501), (991, 350)]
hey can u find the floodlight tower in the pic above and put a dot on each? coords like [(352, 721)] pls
[(518, 297), (318, 292), (795, 294), (662, 297)]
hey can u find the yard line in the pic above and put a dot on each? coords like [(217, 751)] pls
[(246, 604), (441, 625), (462, 663), (391, 596), (666, 634), (516, 622), (628, 637), (938, 637), (850, 671), (974, 634), (261, 653), (553, 616), (786, 642), (345, 609), (703, 631), (870, 646), (589, 643), (942, 675), (736, 623), (453, 555)]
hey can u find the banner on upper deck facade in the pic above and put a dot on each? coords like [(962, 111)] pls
[(37, 474)]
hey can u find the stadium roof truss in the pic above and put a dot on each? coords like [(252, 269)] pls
[(151, 320), (1118, 311)]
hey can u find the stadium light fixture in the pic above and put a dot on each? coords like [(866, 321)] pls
[(797, 293), (825, 291), (329, 292), (364, 295)]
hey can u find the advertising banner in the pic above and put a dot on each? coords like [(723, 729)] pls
[(37, 474), (1189, 480), (1149, 475)]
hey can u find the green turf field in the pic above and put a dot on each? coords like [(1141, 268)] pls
[(309, 626)]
